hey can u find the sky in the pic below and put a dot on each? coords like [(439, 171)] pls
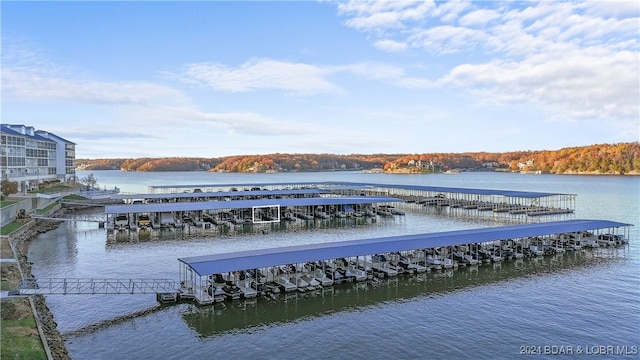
[(215, 78)]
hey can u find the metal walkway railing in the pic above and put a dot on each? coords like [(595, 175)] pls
[(96, 286)]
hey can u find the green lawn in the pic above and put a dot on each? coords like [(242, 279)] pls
[(20, 337), (44, 210), (74, 197), (10, 227), (6, 203)]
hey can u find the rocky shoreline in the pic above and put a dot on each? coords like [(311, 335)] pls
[(49, 327)]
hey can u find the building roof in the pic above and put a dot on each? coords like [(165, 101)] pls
[(37, 134), (245, 204), (46, 135), (251, 259)]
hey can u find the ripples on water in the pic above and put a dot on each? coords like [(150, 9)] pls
[(580, 301)]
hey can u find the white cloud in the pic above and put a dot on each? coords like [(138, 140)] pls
[(390, 45), (449, 11), (32, 85), (574, 60), (584, 84), (262, 74), (385, 73), (369, 15), (478, 17), (447, 39)]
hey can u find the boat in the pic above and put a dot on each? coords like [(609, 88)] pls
[(248, 292), (535, 251), (288, 216), (380, 263), (409, 266), (217, 293), (340, 214), (448, 263), (121, 222), (607, 240), (433, 262), (470, 260), (312, 283), (237, 220), (302, 284), (322, 278), (285, 284)]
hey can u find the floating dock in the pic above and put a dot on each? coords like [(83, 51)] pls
[(207, 206), (219, 277)]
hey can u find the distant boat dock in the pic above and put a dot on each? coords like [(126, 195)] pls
[(208, 206)]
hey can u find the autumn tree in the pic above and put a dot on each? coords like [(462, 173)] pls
[(8, 187)]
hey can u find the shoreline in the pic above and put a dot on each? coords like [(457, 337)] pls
[(54, 340)]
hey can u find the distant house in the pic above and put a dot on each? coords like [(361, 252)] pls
[(523, 165)]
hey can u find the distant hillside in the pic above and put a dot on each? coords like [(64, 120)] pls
[(243, 163), (614, 159), (623, 158)]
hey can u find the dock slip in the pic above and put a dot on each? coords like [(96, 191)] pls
[(293, 267)]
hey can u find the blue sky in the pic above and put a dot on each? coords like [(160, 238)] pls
[(213, 78)]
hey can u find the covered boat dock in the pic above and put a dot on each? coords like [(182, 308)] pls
[(511, 204), (259, 210), (197, 273)]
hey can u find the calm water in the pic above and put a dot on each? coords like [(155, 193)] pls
[(586, 299)]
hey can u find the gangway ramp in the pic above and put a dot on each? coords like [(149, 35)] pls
[(75, 286)]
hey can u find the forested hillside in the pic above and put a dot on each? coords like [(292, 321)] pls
[(623, 158)]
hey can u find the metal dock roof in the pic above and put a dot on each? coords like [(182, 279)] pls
[(251, 259), (356, 185), (245, 204), (219, 194)]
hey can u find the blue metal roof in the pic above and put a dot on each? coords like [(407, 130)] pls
[(220, 194), (442, 189), (356, 185), (245, 204), (220, 263)]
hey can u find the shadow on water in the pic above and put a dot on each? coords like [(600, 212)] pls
[(234, 316)]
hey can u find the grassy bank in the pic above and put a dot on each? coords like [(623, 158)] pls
[(19, 336)]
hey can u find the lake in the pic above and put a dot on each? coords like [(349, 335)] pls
[(587, 301)]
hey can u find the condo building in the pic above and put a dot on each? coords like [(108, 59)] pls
[(31, 157)]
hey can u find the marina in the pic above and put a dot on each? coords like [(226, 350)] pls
[(216, 278), (532, 299)]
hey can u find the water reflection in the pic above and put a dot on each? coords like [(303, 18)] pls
[(290, 307)]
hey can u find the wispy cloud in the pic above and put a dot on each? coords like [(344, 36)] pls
[(31, 84), (130, 105), (260, 74), (577, 60), (390, 45), (378, 15), (293, 78)]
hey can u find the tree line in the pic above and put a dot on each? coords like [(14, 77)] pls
[(621, 158)]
